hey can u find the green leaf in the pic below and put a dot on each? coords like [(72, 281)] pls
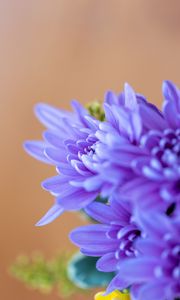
[(82, 271)]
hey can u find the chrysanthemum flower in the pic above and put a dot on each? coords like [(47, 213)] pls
[(128, 116), (141, 147), (112, 240), (69, 145), (155, 273)]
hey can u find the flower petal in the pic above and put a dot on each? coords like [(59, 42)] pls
[(138, 270), (107, 263), (56, 155), (101, 212), (91, 236), (76, 199), (118, 283), (154, 290), (171, 94), (130, 97), (54, 212), (50, 116), (36, 150)]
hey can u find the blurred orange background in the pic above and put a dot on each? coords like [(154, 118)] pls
[(53, 51)]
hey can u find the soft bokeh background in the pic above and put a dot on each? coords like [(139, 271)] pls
[(54, 51)]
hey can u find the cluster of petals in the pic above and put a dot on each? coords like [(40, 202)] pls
[(131, 160)]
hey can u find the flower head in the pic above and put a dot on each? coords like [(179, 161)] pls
[(112, 240), (132, 158), (159, 166), (69, 145), (140, 146), (155, 273)]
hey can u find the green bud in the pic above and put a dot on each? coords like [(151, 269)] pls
[(95, 109)]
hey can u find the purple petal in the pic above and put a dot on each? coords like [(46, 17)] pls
[(130, 97), (56, 155), (54, 139), (118, 283), (126, 230), (138, 270), (171, 94), (36, 150), (154, 290), (153, 174), (81, 111), (122, 209), (141, 188), (138, 164), (107, 263), (80, 167), (92, 123), (93, 236), (92, 183), (76, 199), (101, 212), (171, 115), (111, 98), (54, 212), (66, 169), (151, 118), (55, 184), (87, 161), (136, 125), (149, 223), (151, 139), (50, 116), (110, 117), (98, 249), (95, 251), (135, 290), (149, 247)]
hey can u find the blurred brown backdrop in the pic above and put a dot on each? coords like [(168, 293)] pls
[(54, 51)]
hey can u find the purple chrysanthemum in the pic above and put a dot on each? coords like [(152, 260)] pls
[(69, 145), (112, 240), (155, 273), (133, 160), (141, 145)]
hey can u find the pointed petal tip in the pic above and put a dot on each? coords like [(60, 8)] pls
[(39, 224), (45, 185), (71, 237), (36, 150), (40, 106), (165, 85), (168, 85), (27, 145), (167, 81), (108, 94), (76, 104), (127, 85), (30, 146), (75, 235), (54, 212)]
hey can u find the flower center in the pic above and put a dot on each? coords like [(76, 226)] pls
[(172, 256), (126, 242), (167, 151)]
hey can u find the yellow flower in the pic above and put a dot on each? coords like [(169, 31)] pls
[(115, 295)]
